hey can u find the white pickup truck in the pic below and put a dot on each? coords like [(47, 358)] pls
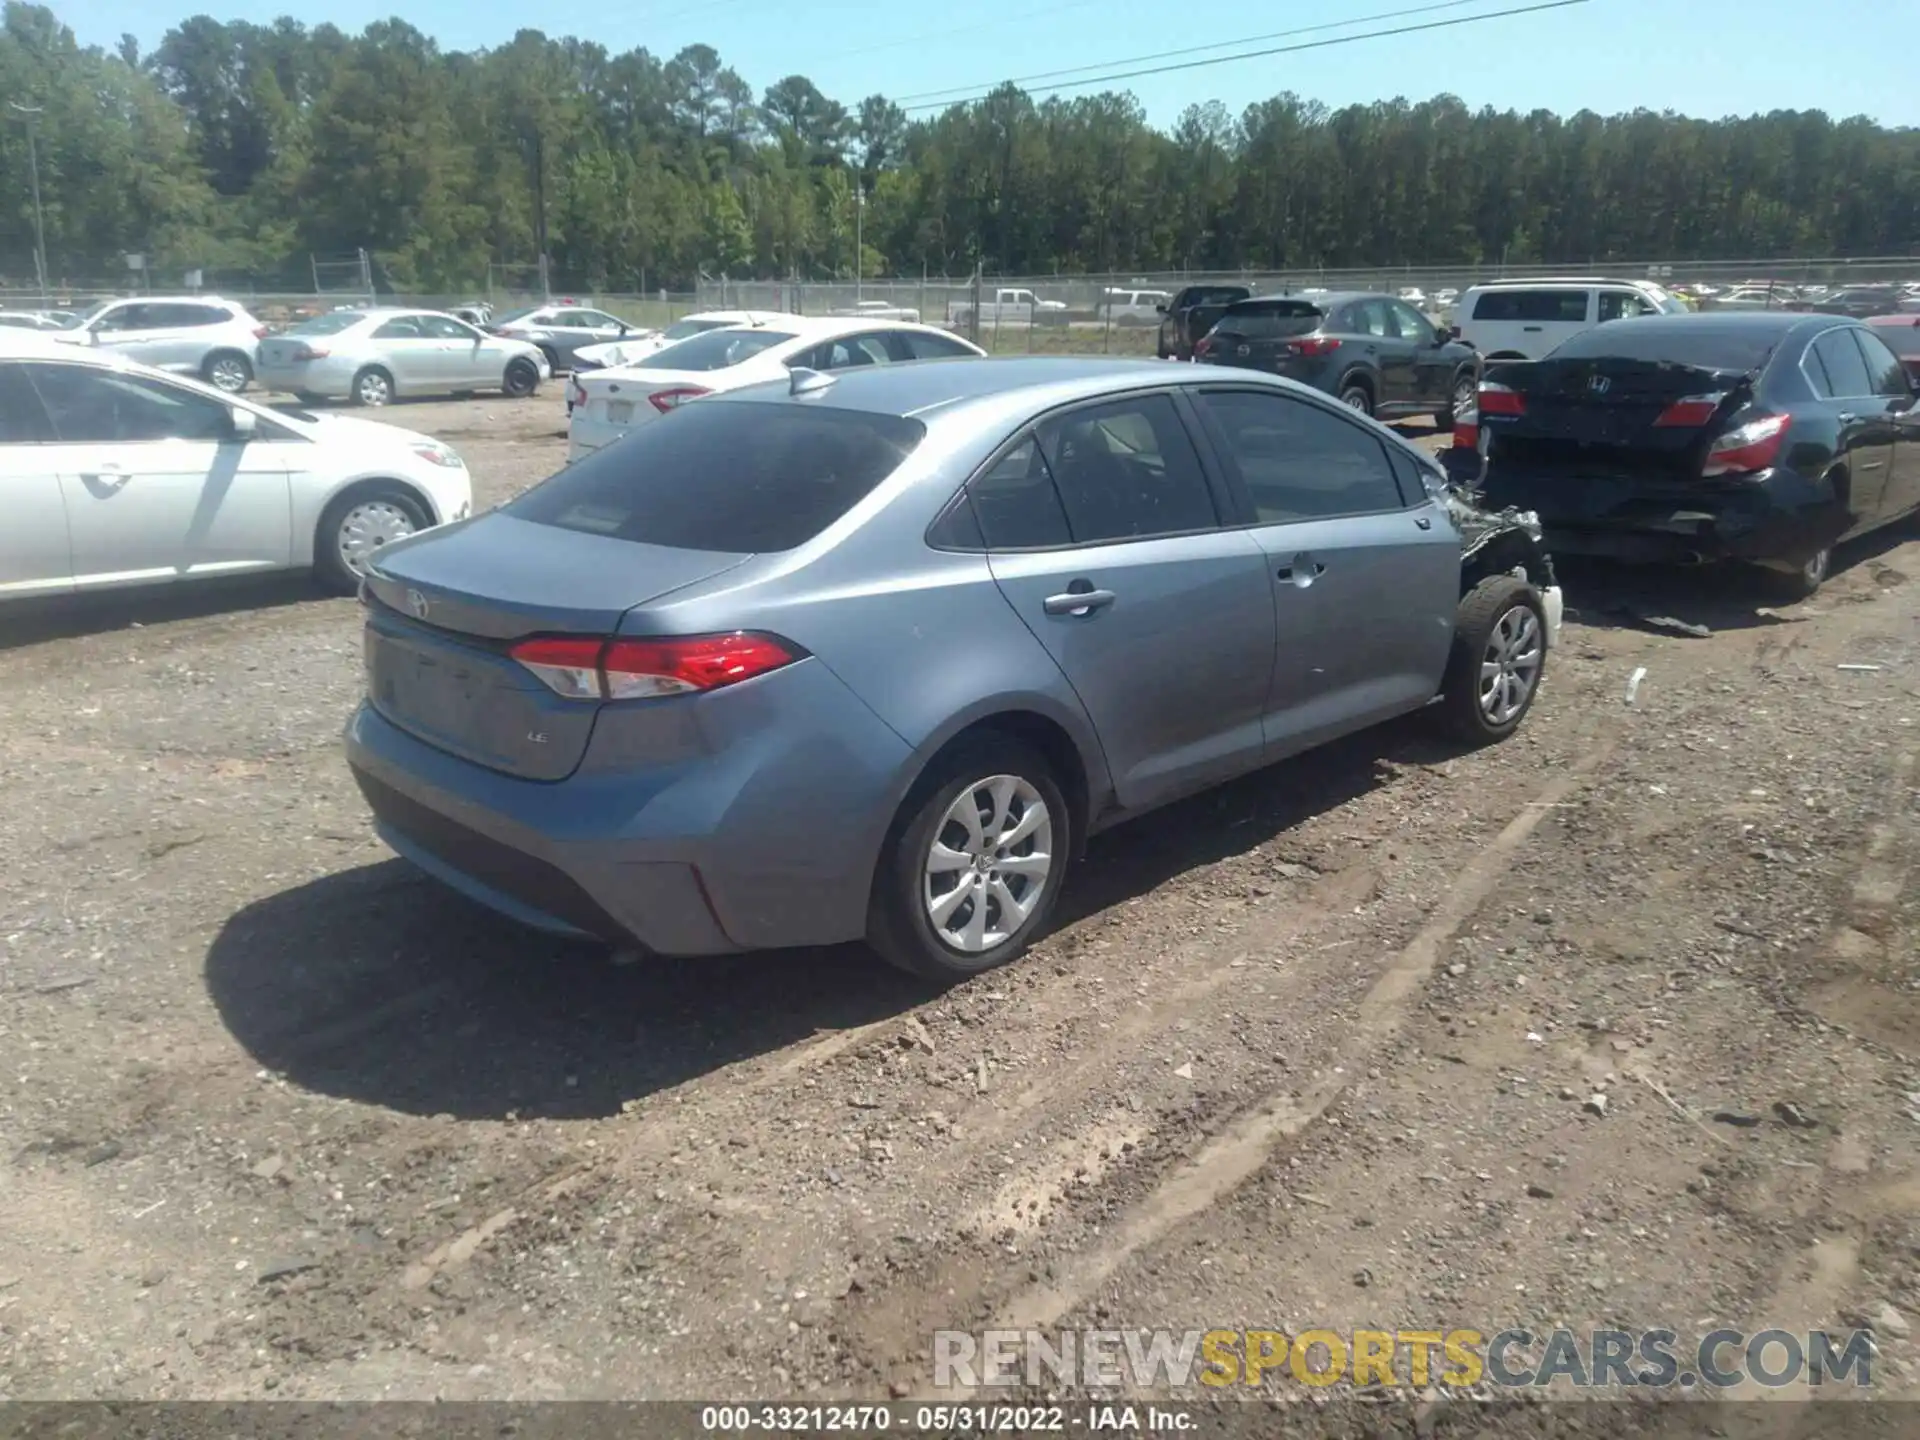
[(1010, 307)]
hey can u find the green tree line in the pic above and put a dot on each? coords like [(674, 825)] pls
[(242, 148)]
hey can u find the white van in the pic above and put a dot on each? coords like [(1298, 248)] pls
[(1524, 319)]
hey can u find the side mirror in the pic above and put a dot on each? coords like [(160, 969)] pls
[(1159, 309), (242, 421)]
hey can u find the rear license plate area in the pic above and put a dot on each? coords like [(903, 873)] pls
[(426, 693), (620, 412)]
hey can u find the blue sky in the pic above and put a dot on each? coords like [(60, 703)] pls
[(1706, 57)]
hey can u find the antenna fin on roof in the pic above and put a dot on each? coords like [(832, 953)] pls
[(805, 381)]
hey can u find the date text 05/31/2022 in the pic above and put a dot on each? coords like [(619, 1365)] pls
[(941, 1419)]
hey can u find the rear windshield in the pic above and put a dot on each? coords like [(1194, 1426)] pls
[(687, 329), (726, 475), (1270, 319), (1737, 349), (715, 350), (1212, 294), (332, 323)]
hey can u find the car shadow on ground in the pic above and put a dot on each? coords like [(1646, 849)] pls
[(381, 986), (66, 617), (1608, 595)]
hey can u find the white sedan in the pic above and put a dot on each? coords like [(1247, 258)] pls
[(608, 403), (117, 474)]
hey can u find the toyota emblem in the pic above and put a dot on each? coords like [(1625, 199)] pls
[(417, 603)]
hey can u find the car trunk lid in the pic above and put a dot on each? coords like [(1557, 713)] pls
[(1607, 415), (632, 397), (444, 611)]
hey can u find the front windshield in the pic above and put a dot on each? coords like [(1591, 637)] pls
[(76, 321), (716, 350)]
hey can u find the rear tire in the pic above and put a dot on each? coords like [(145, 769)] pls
[(1805, 582), (943, 907), (355, 526), (228, 371), (1500, 627), (1355, 395), (522, 378), (1461, 398)]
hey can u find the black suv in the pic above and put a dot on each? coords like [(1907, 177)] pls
[(1374, 353), (1190, 314)]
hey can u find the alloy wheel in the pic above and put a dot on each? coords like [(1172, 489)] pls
[(228, 374), (1510, 665), (989, 863)]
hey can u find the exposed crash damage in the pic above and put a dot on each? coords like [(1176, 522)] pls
[(1506, 541)]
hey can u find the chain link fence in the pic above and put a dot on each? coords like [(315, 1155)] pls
[(1116, 314)]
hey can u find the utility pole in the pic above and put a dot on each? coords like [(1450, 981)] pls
[(859, 246), (39, 221)]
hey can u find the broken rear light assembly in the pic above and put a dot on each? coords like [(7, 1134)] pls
[(1466, 430), (1690, 412), (665, 400), (1202, 346), (586, 668), (1747, 448), (1497, 399)]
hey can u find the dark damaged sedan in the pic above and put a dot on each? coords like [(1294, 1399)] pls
[(1762, 437)]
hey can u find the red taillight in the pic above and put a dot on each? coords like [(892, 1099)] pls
[(588, 669), (1750, 447), (1496, 399), (311, 352), (1314, 345), (1466, 430), (260, 332), (1690, 412), (665, 400), (576, 394), (1202, 346)]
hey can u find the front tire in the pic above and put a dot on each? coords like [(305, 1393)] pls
[(522, 378), (373, 387), (974, 863), (1499, 658), (356, 526)]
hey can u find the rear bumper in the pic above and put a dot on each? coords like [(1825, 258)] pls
[(765, 841), (1779, 516)]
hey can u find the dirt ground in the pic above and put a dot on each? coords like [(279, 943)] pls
[(281, 1116)]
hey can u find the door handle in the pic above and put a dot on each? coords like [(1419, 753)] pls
[(1302, 572), (111, 476), (1531, 329), (1847, 417), (1082, 601)]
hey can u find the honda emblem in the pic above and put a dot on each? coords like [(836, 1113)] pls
[(417, 603), (1599, 385)]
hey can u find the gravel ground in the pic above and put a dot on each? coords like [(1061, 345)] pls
[(1322, 1048)]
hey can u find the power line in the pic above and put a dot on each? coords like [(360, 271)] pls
[(1260, 54), (1198, 49), (1026, 18)]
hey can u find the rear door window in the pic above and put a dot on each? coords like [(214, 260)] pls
[(922, 345), (22, 421), (726, 475), (1843, 365), (1016, 504), (1126, 470), (1299, 461), (850, 351)]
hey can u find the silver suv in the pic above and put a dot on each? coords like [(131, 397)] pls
[(202, 335)]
